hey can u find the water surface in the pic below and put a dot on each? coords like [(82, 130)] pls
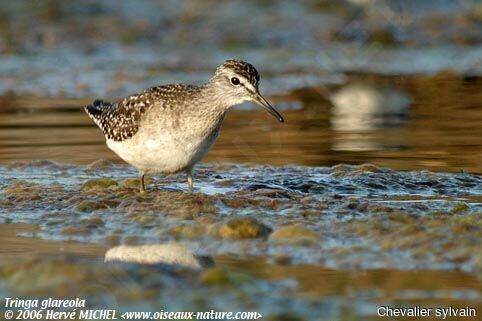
[(434, 125), (302, 291)]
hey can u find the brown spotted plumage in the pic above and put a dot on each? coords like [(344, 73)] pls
[(121, 120), (168, 129)]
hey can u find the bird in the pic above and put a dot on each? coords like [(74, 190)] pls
[(168, 129)]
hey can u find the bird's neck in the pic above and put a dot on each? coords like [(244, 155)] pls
[(217, 91), (205, 110)]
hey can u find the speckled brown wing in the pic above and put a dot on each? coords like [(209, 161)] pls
[(121, 121), (118, 121)]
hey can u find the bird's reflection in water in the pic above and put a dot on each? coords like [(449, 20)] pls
[(361, 109), (171, 254)]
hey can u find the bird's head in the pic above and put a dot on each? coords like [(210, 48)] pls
[(238, 82)]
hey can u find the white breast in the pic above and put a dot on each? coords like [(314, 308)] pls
[(165, 151)]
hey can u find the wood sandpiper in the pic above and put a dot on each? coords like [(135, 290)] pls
[(168, 129)]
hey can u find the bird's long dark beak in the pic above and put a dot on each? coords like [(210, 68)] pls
[(260, 100)]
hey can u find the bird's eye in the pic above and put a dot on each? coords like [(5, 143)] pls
[(235, 81)]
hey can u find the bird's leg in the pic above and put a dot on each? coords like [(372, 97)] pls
[(142, 186), (189, 180)]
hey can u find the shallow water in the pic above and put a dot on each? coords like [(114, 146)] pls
[(393, 122), (303, 291), (345, 206), (335, 242)]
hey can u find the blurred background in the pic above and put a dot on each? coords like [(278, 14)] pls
[(395, 83)]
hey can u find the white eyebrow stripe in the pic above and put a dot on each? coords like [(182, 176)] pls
[(249, 87)]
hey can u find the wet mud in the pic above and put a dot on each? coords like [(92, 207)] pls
[(341, 216), (284, 241)]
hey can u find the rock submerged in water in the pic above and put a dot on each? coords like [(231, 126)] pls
[(243, 228), (191, 231), (296, 234), (98, 184), (132, 183), (89, 206)]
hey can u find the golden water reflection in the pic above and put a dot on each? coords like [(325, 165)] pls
[(368, 288), (440, 130)]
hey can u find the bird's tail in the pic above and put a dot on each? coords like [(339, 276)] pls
[(97, 110)]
